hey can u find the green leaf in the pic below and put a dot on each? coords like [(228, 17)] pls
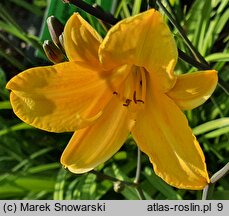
[(223, 18), (33, 156), (18, 185), (193, 20), (2, 78), (137, 7), (128, 192), (5, 105), (70, 189), (12, 60), (106, 5), (218, 57), (122, 9), (160, 185), (59, 185), (217, 133), (43, 168), (87, 187), (221, 195), (211, 125), (20, 126), (203, 24), (30, 7), (215, 26), (7, 17)]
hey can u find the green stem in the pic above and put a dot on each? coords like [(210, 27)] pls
[(220, 174), (138, 169), (137, 177), (183, 56), (208, 190)]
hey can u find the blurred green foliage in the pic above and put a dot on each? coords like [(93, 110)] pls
[(29, 158)]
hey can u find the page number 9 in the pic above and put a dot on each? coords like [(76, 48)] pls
[(220, 206)]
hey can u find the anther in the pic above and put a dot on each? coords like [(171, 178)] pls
[(127, 102), (115, 93), (135, 99), (140, 101)]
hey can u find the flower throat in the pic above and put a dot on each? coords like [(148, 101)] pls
[(133, 91)]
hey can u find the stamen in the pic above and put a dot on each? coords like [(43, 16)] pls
[(143, 84), (115, 93), (137, 100), (140, 101), (134, 97), (135, 89), (127, 102)]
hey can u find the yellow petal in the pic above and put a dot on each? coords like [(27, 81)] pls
[(92, 146), (143, 40), (162, 132), (192, 90), (81, 41), (59, 98)]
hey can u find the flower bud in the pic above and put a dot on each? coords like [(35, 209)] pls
[(118, 186), (61, 39), (52, 52), (55, 28)]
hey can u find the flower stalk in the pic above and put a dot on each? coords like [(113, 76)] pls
[(94, 11), (208, 190), (137, 177)]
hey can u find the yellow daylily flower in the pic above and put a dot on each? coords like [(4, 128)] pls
[(124, 83)]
